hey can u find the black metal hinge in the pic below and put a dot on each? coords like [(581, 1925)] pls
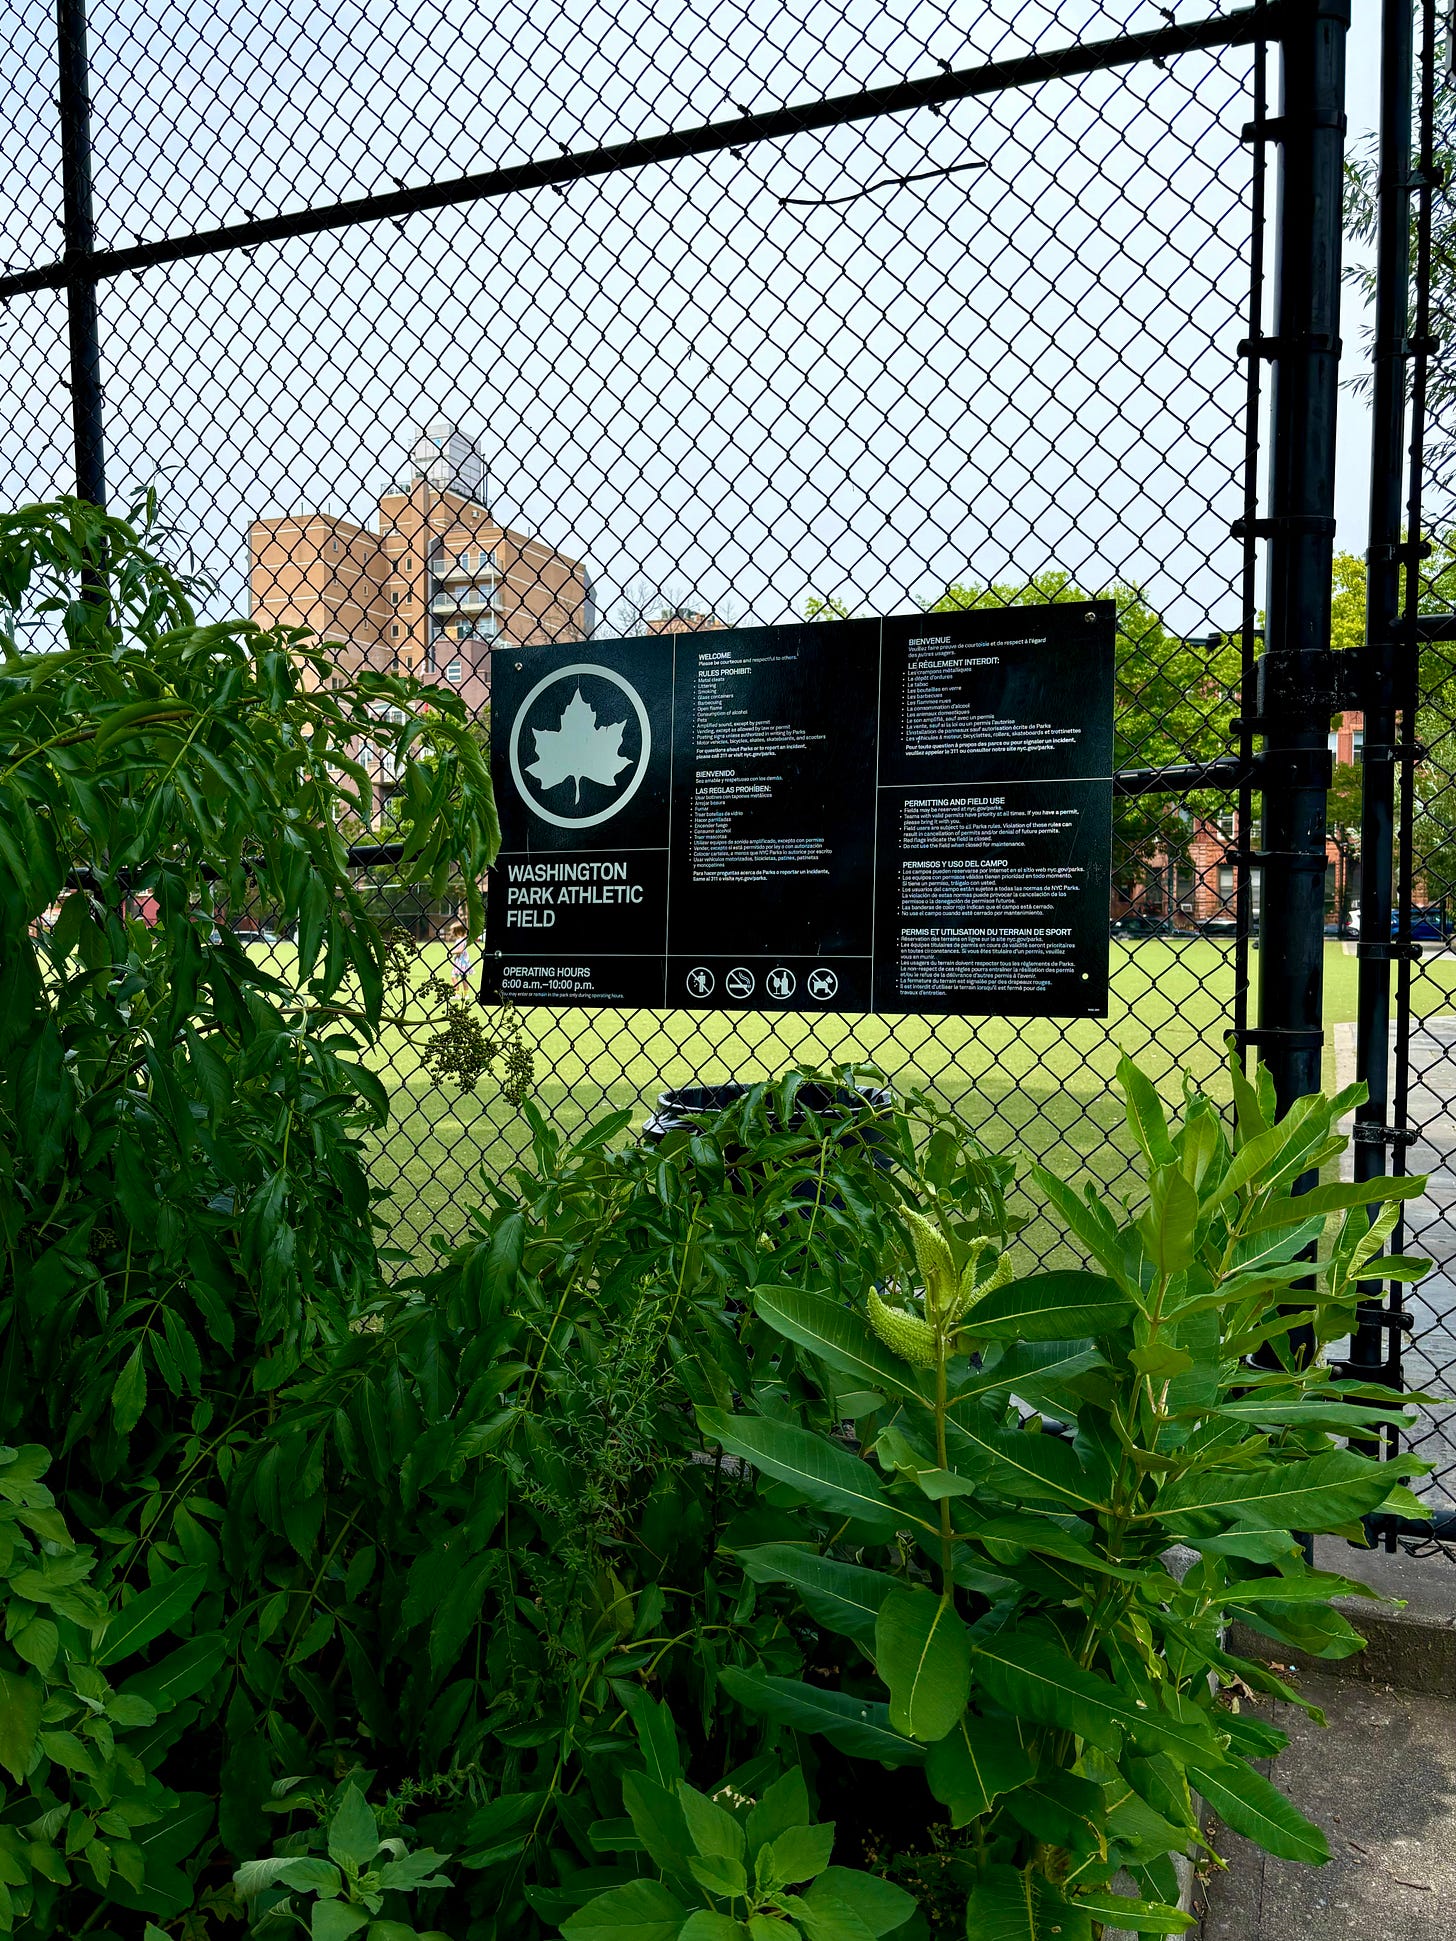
[(1291, 1037), (1274, 128), (1368, 1133), (1381, 952), (1313, 523), (1307, 340), (1396, 550)]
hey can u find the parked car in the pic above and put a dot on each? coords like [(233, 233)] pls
[(1429, 923), (1138, 923)]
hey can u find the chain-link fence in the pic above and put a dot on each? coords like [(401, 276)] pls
[(438, 330)]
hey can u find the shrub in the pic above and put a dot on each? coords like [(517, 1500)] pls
[(989, 1547)]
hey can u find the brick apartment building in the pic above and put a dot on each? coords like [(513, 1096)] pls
[(431, 587), (1203, 891)]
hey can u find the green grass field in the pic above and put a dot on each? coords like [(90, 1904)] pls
[(1041, 1084)]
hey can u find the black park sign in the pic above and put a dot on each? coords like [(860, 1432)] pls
[(911, 814)]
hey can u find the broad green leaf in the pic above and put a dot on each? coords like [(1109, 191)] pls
[(336, 1921), (1003, 1907), (129, 1393), (800, 1853), (1246, 1801), (21, 1700), (1059, 1306), (826, 1473), (254, 1875), (1341, 1418), (712, 1831), (1335, 1197), (353, 1831), (857, 1726), (977, 1761), (883, 1907), (1087, 1219), (656, 1734), (308, 1875), (705, 1925), (1319, 1494), (842, 1597), (182, 1673), (657, 1819), (923, 1653), (719, 1873), (643, 1910), (1134, 1917), (829, 1919), (1169, 1224), (1306, 1587), (37, 1643), (1032, 1679), (1146, 1119), (151, 1612), (1032, 1369), (785, 1804), (838, 1335), (1049, 1539), (1025, 1466)]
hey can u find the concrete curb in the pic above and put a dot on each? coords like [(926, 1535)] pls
[(1411, 1648)]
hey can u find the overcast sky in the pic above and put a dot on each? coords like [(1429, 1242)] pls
[(675, 374)]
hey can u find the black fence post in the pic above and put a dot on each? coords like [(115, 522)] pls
[(80, 237), (1370, 1352), (1293, 709)]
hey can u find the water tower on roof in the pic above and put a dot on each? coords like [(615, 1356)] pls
[(446, 458)]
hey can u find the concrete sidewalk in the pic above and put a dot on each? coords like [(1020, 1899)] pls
[(1380, 1779)]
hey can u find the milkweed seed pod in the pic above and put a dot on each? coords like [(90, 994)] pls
[(908, 1335), (934, 1259), (972, 1288)]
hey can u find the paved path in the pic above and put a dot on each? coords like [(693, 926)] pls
[(1430, 1356), (1381, 1781)]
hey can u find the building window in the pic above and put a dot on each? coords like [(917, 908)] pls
[(394, 633), (1225, 883), (455, 672), (1357, 744), (1334, 743), (394, 598)]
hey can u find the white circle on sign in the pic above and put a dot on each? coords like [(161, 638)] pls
[(700, 981), (823, 983), (582, 754), (739, 981), (780, 983)]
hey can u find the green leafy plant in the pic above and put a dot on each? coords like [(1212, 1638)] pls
[(75, 1742), (186, 1219), (992, 1542), (352, 1872), (730, 1867)]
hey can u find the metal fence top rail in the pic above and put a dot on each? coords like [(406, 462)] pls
[(1238, 28)]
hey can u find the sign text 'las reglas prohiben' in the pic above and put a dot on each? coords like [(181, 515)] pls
[(860, 815)]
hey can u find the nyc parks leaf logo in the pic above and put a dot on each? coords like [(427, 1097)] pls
[(578, 751)]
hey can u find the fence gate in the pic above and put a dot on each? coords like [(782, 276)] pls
[(1405, 1039), (438, 326)]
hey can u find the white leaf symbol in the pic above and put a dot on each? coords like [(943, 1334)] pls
[(578, 750)]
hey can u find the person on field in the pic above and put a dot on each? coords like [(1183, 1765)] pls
[(458, 938)]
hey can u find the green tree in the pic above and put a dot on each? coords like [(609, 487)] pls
[(1433, 855), (1173, 699)]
